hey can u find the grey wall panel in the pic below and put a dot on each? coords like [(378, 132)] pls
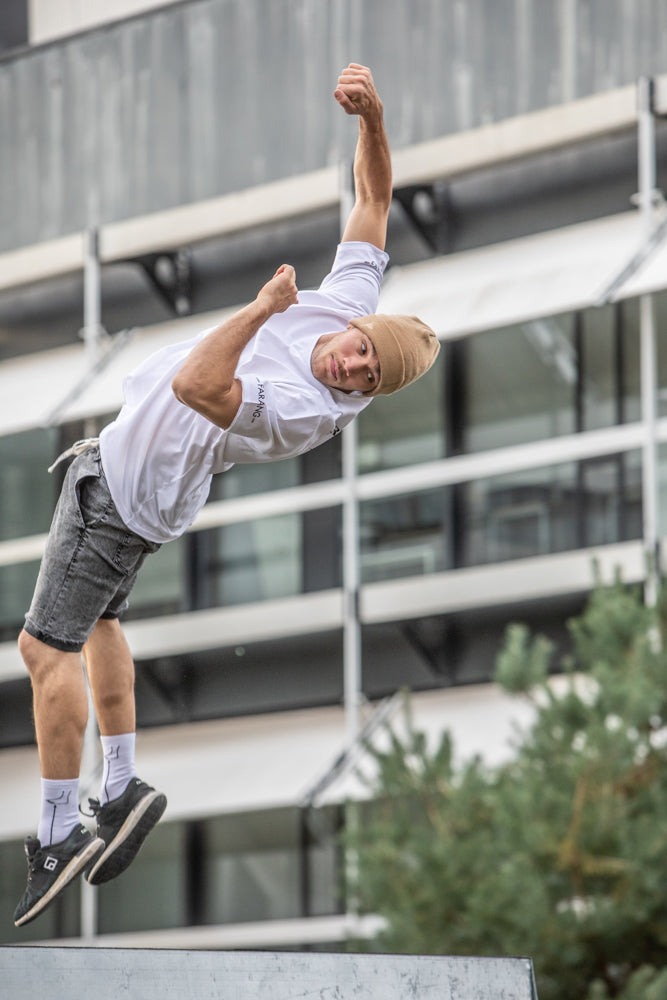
[(210, 96)]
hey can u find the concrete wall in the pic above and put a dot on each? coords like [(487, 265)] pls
[(160, 975), (206, 97)]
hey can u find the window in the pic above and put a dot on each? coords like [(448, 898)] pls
[(27, 491), (403, 536), (660, 306), (519, 384), (609, 367), (17, 583), (255, 560), (27, 498), (155, 896), (405, 428), (160, 586), (270, 865), (552, 509)]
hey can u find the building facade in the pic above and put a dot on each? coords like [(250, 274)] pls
[(156, 168)]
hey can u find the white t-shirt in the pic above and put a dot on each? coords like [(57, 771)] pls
[(159, 455)]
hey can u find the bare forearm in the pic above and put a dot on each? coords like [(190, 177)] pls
[(357, 95), (210, 369), (206, 381), (372, 161)]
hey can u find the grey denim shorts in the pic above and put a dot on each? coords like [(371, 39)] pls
[(90, 562)]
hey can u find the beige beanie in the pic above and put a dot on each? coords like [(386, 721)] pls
[(406, 348)]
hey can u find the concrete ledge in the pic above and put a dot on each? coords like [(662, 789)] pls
[(261, 935), (160, 975)]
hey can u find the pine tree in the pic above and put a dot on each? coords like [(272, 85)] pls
[(560, 854)]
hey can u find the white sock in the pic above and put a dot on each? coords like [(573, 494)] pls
[(118, 765), (60, 810)]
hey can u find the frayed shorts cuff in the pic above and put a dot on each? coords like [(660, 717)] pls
[(61, 644)]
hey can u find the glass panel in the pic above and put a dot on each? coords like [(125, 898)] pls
[(523, 514), (599, 367), (601, 500), (27, 491), (630, 360), (322, 548), (662, 490), (251, 868), (16, 717), (520, 383), (242, 480), (325, 888), (17, 583), (322, 835), (160, 582), (155, 895), (404, 536), (259, 560), (405, 428), (552, 509), (631, 490), (660, 306)]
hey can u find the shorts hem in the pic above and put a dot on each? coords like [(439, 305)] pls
[(62, 645)]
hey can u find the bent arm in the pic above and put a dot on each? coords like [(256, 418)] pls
[(357, 95), (206, 381)]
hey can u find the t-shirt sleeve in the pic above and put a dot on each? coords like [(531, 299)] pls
[(276, 420), (356, 276)]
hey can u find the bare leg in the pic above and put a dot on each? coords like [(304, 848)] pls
[(60, 706), (127, 817), (110, 670), (63, 847)]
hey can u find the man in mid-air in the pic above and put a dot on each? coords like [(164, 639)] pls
[(281, 376)]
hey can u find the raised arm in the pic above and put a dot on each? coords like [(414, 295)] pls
[(206, 381), (357, 95)]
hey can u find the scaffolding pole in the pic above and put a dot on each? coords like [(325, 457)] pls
[(92, 338), (647, 341), (351, 624)]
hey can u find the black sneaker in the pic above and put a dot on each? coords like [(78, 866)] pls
[(51, 868), (123, 824)]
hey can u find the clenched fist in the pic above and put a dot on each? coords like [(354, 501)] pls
[(356, 91), (280, 292)]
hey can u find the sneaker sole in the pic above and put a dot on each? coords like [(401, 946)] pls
[(122, 850), (76, 865)]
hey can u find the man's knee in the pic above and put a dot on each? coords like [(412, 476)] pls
[(29, 649), (37, 655), (106, 626)]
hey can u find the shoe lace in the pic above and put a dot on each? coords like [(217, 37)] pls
[(95, 808)]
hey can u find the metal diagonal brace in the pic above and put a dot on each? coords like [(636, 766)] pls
[(346, 760), (649, 199), (114, 346), (656, 237)]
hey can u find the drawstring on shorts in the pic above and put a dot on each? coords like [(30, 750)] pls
[(76, 449)]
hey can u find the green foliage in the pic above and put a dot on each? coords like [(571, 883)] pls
[(523, 663), (561, 853)]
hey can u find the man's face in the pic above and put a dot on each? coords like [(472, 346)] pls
[(346, 361)]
